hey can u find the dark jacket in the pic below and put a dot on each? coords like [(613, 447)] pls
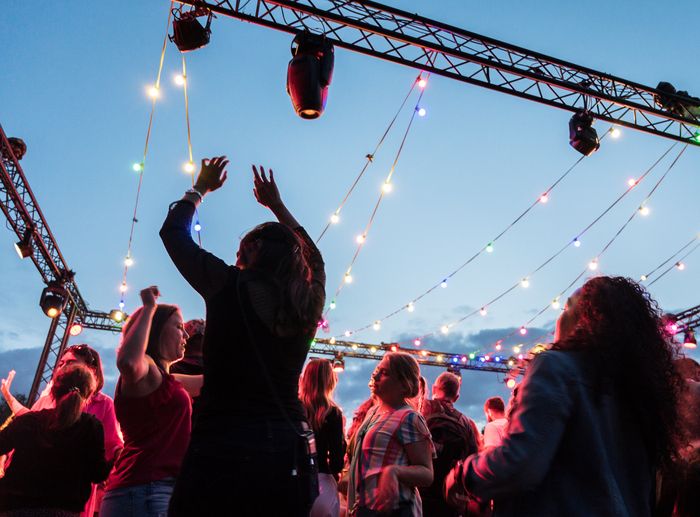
[(569, 450)]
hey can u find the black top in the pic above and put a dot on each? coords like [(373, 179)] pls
[(234, 383), (330, 443), (51, 469)]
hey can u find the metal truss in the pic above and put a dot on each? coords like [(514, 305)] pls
[(451, 361), (689, 318), (412, 40)]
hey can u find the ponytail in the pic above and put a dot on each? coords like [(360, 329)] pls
[(68, 410), (72, 388)]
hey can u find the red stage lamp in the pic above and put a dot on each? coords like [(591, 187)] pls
[(689, 340), (309, 74)]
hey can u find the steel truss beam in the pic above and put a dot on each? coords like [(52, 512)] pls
[(689, 318), (412, 40)]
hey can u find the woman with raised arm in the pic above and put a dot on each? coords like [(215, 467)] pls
[(153, 409), (250, 449)]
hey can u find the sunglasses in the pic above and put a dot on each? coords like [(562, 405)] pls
[(84, 352)]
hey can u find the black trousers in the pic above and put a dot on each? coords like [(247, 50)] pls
[(252, 469)]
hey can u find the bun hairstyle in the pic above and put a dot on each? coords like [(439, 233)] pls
[(160, 317), (283, 257), (404, 368), (71, 389)]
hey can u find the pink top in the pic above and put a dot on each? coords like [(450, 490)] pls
[(156, 434)]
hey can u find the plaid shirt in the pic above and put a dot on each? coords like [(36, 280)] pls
[(381, 441)]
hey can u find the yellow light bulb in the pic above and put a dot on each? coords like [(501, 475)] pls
[(189, 167), (335, 218), (179, 79), (615, 132), (387, 187), (377, 325), (153, 92), (525, 282), (128, 261), (410, 307), (444, 329), (360, 239), (332, 341), (348, 278)]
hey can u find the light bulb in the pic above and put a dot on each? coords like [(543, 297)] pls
[(510, 383), (422, 83), (525, 283), (424, 353), (137, 167), (387, 187), (332, 305), (189, 167), (632, 182), (487, 358), (179, 79), (615, 132), (197, 227), (121, 305), (643, 278), (332, 341), (499, 346), (421, 112), (443, 284), (348, 278), (348, 333), (122, 288), (444, 329), (680, 266), (377, 325), (489, 247), (128, 261), (644, 210), (523, 331), (335, 219), (516, 349), (577, 242), (410, 307), (593, 264), (153, 92), (483, 311), (373, 349), (416, 342), (440, 358), (544, 198), (555, 304), (472, 355), (360, 239), (354, 346)]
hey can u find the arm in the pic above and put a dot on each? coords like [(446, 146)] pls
[(204, 271), (132, 362), (98, 467), (15, 405), (113, 442), (191, 383)]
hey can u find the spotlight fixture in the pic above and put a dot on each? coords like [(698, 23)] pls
[(309, 74), (677, 102), (689, 340), (25, 247), (582, 136), (338, 364), (188, 33), (53, 299), (117, 315), (75, 329)]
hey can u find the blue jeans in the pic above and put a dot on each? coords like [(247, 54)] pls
[(147, 500)]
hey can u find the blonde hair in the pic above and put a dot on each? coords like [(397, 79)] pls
[(404, 368), (316, 385)]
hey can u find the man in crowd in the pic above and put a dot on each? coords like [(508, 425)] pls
[(494, 408)]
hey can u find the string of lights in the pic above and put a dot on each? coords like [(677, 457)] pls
[(524, 282), (488, 248), (594, 263), (154, 94), (386, 188), (335, 217), (680, 265), (644, 278)]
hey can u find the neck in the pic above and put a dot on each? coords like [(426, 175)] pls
[(391, 405)]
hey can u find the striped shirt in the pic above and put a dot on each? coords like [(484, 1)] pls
[(381, 441)]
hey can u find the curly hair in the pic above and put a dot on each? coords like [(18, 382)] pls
[(619, 323)]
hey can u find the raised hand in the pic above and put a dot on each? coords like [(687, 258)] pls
[(6, 386), (149, 296), (212, 175), (265, 189)]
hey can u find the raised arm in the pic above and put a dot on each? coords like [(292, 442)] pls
[(132, 362), (204, 271), (15, 405)]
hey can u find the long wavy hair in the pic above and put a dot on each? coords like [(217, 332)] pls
[(620, 325), (316, 385), (71, 389), (283, 257), (160, 318)]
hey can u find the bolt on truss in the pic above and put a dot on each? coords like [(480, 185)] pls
[(412, 40)]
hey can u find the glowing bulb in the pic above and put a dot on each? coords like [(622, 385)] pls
[(122, 288), (137, 167), (440, 358), (197, 227), (643, 278), (153, 92), (472, 355), (387, 187), (422, 83), (377, 325), (525, 282), (483, 311), (644, 210), (189, 167), (394, 348), (499, 346), (128, 261), (360, 239), (75, 329), (348, 333), (555, 304), (421, 112), (179, 79), (680, 266), (121, 305), (464, 358), (373, 349), (520, 356), (593, 264), (615, 132), (544, 198), (511, 362), (632, 182), (332, 305), (510, 383), (423, 353), (410, 307), (354, 346), (577, 242), (489, 247), (332, 341), (443, 284), (335, 219), (416, 342), (52, 312), (444, 329), (523, 331), (516, 349), (487, 358), (348, 278)]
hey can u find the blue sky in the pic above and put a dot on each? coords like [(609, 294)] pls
[(74, 89)]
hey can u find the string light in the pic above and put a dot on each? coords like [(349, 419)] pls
[(410, 307), (422, 83), (443, 284), (577, 242), (137, 166), (489, 247), (444, 329), (615, 132), (189, 167), (643, 278), (122, 288), (417, 342), (523, 331), (377, 325), (555, 304), (348, 333), (128, 261), (335, 219), (332, 305), (632, 182), (483, 311), (680, 266), (197, 227), (387, 187), (121, 304), (421, 112), (593, 264), (348, 278), (179, 79), (544, 198), (360, 239), (525, 283), (332, 341), (644, 210), (498, 347), (153, 92)]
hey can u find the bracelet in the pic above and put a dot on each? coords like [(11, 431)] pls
[(197, 193)]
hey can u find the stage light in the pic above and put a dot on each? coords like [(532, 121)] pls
[(498, 347), (582, 136), (188, 33), (510, 384), (25, 247), (53, 299), (440, 358), (424, 353), (116, 315), (309, 74), (689, 340), (394, 348), (338, 364), (373, 349), (416, 342), (523, 331), (75, 329)]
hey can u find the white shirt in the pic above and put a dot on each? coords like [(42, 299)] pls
[(494, 432)]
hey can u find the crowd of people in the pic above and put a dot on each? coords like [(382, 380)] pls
[(606, 421)]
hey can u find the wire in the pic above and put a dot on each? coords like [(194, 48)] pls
[(674, 265), (669, 259)]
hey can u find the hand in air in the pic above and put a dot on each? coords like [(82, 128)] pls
[(265, 189), (212, 175), (149, 296), (7, 385)]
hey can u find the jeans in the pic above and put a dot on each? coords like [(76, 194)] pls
[(245, 469), (147, 500)]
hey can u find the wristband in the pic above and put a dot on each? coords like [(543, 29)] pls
[(197, 193)]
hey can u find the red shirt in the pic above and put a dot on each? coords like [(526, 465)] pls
[(156, 431)]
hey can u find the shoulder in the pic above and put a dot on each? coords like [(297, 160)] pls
[(557, 362)]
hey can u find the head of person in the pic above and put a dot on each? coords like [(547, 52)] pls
[(618, 326), (316, 386), (195, 337), (19, 148), (494, 409), (396, 379), (446, 387), (72, 387), (84, 355), (167, 338), (688, 368), (275, 250)]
